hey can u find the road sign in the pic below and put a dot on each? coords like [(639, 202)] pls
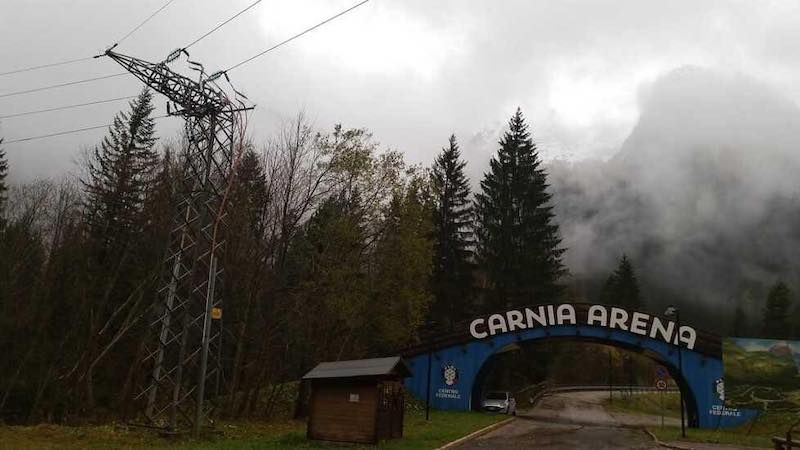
[(661, 372), (661, 385)]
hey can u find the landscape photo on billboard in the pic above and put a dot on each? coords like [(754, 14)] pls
[(762, 374)]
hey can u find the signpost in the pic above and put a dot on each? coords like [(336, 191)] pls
[(661, 385)]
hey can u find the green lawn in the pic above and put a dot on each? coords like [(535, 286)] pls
[(757, 434), (419, 434)]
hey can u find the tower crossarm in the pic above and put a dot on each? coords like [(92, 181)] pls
[(196, 99)]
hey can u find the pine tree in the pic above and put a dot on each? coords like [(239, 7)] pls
[(120, 174), (621, 287), (120, 179), (454, 242), (777, 323), (518, 240), (3, 187), (739, 326)]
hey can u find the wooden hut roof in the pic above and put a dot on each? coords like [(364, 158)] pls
[(359, 368)]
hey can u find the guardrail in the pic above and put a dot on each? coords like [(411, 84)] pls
[(550, 389), (616, 387), (786, 443)]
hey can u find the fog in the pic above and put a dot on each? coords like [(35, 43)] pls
[(703, 194)]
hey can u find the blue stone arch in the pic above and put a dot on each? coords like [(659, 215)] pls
[(698, 380)]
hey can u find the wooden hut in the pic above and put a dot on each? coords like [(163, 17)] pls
[(357, 401)]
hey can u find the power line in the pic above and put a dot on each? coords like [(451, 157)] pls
[(222, 24), (78, 130), (297, 35), (60, 108), (136, 28), (87, 58), (43, 66), (54, 86), (61, 133)]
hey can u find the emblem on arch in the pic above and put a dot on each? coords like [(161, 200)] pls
[(450, 374)]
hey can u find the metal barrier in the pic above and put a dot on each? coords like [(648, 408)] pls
[(786, 443), (546, 389)]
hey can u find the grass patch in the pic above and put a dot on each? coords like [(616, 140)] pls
[(419, 434), (444, 427), (721, 436), (755, 434), (647, 403)]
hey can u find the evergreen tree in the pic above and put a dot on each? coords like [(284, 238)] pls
[(739, 326), (402, 263), (121, 263), (3, 187), (518, 240), (452, 222), (120, 174), (777, 323), (621, 287)]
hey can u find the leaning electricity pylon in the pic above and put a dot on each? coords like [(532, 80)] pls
[(184, 364)]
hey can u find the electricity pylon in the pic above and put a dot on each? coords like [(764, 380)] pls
[(184, 364)]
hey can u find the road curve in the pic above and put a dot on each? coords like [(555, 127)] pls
[(573, 420)]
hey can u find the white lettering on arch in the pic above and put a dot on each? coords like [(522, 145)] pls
[(619, 319), (515, 320), (688, 336), (657, 328), (473, 329), (639, 323), (565, 314), (609, 317), (597, 316), (497, 324), (533, 316)]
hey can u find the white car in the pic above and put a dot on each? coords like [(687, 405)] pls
[(501, 402)]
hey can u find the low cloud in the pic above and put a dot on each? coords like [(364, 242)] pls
[(703, 194)]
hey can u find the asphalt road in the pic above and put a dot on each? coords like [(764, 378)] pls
[(526, 433), (575, 420)]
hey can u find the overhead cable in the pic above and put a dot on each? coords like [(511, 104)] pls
[(136, 28), (54, 86), (222, 24), (60, 108), (307, 30), (61, 133), (87, 58), (42, 66)]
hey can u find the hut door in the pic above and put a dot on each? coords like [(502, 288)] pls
[(391, 409)]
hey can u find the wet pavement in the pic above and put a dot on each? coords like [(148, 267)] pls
[(575, 420)]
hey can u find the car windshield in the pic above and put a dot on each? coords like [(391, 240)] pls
[(496, 396)]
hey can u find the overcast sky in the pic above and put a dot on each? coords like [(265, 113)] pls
[(411, 71)]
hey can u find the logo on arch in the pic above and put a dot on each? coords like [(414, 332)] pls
[(450, 374), (719, 388)]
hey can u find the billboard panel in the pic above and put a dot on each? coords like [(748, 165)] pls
[(761, 374)]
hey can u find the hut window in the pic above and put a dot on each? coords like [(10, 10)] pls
[(354, 398)]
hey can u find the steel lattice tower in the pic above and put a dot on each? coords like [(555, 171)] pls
[(184, 363)]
